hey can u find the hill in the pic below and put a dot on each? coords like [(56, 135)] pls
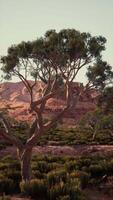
[(15, 97)]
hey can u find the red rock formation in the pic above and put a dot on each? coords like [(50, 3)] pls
[(16, 96)]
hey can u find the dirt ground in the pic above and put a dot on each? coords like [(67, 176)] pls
[(17, 198), (91, 195), (77, 150), (96, 195)]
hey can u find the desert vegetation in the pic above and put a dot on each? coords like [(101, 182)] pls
[(56, 177), (55, 60)]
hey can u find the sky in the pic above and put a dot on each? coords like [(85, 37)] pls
[(23, 20)]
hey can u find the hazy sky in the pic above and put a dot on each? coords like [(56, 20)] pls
[(28, 19)]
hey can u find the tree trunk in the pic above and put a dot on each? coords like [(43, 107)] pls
[(26, 165), (94, 134)]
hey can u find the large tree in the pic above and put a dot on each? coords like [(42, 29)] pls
[(54, 59)]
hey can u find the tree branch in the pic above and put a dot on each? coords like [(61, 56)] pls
[(6, 133)]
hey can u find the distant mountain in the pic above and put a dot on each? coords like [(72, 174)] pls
[(16, 96)]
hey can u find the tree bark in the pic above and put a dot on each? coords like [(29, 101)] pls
[(26, 164)]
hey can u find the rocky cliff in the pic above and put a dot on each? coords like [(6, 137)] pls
[(15, 97)]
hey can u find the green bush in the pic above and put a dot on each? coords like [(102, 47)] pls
[(94, 182), (34, 188), (10, 162), (76, 194), (96, 170), (71, 165), (43, 166), (38, 175), (84, 162), (7, 186), (54, 177), (84, 179), (10, 170), (62, 189), (57, 190)]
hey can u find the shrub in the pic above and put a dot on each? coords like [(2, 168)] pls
[(109, 167), (10, 162), (5, 197), (84, 162), (64, 197), (94, 182), (96, 170), (67, 191), (57, 190), (34, 188), (56, 176), (84, 179), (71, 165), (7, 185), (75, 194), (38, 175), (14, 175), (43, 166)]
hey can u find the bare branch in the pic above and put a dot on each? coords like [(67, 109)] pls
[(56, 118), (44, 98), (6, 133), (33, 128)]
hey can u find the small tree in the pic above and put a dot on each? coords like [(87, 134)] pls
[(105, 101), (54, 59)]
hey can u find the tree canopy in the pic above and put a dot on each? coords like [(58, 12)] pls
[(65, 53)]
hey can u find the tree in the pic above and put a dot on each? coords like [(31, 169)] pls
[(54, 59), (97, 120), (105, 101)]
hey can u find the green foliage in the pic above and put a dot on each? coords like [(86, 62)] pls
[(106, 122), (96, 170), (61, 189), (91, 119), (84, 179), (100, 74), (10, 175), (43, 166), (56, 176), (65, 176), (71, 165), (57, 190), (34, 188), (19, 129), (62, 48), (99, 123), (4, 197), (7, 185), (81, 135), (105, 102)]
